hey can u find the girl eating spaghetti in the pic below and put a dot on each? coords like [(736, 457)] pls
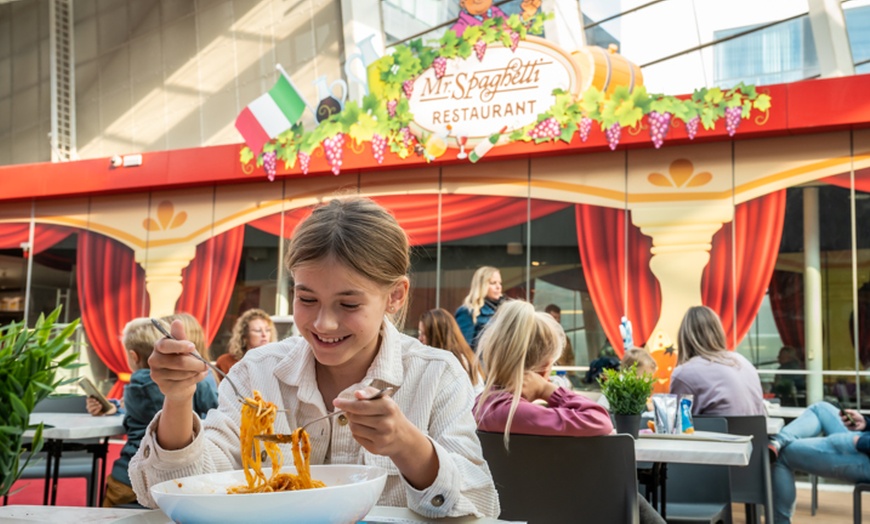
[(349, 263)]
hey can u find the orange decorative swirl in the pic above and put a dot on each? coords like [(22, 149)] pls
[(760, 120), (636, 128), (357, 147)]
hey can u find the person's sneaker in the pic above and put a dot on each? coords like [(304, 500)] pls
[(773, 447)]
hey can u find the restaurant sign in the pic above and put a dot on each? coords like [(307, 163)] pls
[(504, 92)]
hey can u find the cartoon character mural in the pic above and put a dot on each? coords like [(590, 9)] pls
[(474, 12)]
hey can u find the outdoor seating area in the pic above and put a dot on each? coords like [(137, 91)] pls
[(435, 261)]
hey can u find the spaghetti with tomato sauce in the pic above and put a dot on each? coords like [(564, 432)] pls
[(258, 417)]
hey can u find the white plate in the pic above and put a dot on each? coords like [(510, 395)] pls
[(350, 493), (699, 435)]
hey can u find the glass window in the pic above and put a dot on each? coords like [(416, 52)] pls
[(858, 26)]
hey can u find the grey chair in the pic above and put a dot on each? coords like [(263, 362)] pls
[(564, 479), (699, 493), (78, 459), (751, 484)]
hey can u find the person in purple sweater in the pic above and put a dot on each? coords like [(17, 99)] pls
[(822, 441), (519, 347), (722, 381)]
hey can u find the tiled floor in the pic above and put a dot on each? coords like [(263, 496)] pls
[(835, 507)]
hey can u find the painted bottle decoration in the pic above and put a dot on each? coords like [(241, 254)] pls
[(436, 145), (329, 104), (484, 146), (370, 59)]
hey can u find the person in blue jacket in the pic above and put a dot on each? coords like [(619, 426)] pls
[(822, 441), (480, 305)]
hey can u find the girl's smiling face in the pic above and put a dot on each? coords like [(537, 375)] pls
[(339, 312)]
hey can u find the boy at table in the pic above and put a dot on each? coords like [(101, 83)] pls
[(142, 400)]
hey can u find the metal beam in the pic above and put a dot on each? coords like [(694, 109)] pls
[(832, 41)]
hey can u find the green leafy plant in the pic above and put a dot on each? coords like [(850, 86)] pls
[(625, 390), (30, 359)]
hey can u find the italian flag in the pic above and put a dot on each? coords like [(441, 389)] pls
[(271, 114)]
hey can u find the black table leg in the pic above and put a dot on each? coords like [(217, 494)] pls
[(47, 488), (663, 482), (55, 447)]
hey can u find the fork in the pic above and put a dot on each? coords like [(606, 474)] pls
[(286, 439), (159, 325)]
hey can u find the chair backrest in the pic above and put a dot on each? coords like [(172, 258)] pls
[(564, 479), (62, 404), (696, 483), (751, 484)]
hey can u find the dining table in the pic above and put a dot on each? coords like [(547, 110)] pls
[(78, 514), (702, 447), (70, 431)]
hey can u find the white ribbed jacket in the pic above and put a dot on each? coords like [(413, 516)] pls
[(434, 393)]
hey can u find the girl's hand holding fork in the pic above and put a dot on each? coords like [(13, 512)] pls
[(177, 375), (382, 429)]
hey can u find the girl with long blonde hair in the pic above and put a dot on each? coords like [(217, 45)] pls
[(519, 348)]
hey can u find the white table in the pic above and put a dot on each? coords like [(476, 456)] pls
[(731, 450), (704, 447), (75, 515), (63, 429), (774, 425), (775, 410)]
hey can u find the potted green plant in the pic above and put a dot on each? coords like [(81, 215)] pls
[(627, 393), (30, 359)]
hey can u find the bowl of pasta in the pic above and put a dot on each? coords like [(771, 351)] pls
[(348, 493)]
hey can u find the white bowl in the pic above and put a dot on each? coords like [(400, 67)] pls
[(350, 493)]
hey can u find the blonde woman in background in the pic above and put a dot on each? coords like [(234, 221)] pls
[(195, 334), (438, 329), (480, 304), (252, 330), (722, 381)]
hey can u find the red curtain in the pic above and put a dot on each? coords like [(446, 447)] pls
[(44, 236), (734, 286), (111, 288), (462, 216), (209, 279), (607, 268), (787, 303)]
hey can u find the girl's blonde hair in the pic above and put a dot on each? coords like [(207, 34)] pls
[(239, 338), (140, 336), (358, 233), (517, 339), (442, 331), (479, 288), (701, 335), (193, 331)]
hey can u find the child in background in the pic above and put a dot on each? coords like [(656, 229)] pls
[(142, 400), (645, 365), (519, 347)]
